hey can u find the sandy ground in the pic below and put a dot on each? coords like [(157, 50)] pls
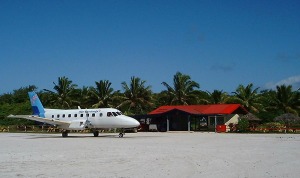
[(150, 155)]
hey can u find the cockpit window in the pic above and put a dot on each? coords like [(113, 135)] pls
[(115, 114), (119, 113)]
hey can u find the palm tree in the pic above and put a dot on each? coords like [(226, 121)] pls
[(248, 97), (285, 100), (137, 98), (183, 92), (65, 90), (162, 98), (102, 94), (82, 97), (216, 97)]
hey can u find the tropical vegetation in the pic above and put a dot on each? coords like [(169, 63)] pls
[(136, 97)]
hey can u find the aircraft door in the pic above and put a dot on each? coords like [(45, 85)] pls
[(87, 115), (88, 118)]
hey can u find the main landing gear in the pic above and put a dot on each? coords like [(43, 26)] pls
[(96, 133), (65, 133)]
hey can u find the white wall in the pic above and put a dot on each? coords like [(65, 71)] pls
[(234, 119)]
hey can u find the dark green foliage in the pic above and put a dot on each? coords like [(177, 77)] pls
[(6, 99), (216, 97), (101, 96), (267, 116), (243, 125), (137, 98), (183, 91), (247, 97), (285, 100), (14, 108), (65, 93)]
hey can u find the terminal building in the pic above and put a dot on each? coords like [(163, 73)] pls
[(192, 117)]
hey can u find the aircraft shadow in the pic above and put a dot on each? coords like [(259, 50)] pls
[(70, 136)]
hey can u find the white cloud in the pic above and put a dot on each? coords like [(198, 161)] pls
[(294, 81)]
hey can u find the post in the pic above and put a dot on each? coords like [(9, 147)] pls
[(189, 123), (215, 123), (168, 124)]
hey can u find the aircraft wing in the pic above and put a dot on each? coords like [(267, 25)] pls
[(41, 119)]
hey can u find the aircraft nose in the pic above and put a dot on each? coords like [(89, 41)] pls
[(134, 123)]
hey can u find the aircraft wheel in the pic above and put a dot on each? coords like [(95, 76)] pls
[(121, 135), (96, 133), (65, 134)]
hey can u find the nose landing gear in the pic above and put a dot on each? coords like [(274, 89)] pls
[(122, 133)]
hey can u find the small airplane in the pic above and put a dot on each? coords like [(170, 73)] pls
[(79, 119)]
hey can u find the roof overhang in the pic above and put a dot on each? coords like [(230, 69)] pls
[(215, 109)]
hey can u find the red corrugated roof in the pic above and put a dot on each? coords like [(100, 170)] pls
[(202, 109)]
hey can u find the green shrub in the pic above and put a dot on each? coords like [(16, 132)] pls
[(243, 125), (271, 127)]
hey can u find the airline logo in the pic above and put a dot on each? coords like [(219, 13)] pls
[(35, 97)]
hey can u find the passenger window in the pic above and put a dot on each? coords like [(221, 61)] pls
[(93, 115), (81, 115), (63, 115), (52, 116), (87, 115), (109, 114), (75, 115), (115, 114), (101, 114), (69, 115), (57, 115)]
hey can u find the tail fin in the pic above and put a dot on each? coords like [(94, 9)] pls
[(36, 104)]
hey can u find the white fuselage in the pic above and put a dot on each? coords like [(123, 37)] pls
[(102, 118)]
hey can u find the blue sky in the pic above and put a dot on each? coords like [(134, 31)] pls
[(220, 44)]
